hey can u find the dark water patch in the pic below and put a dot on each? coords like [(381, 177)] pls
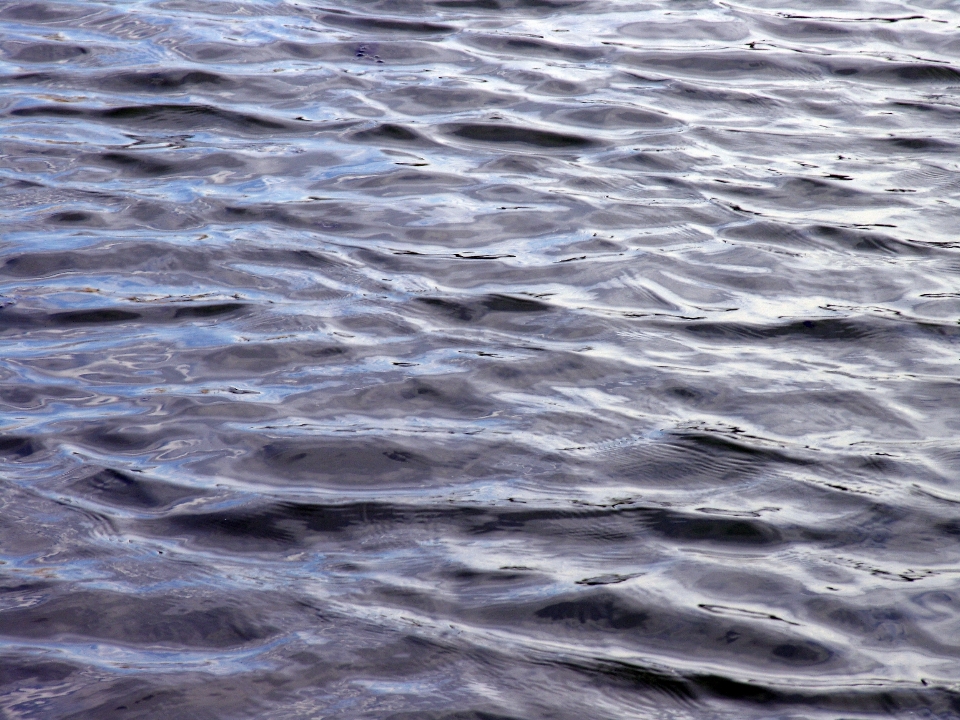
[(124, 439), (75, 216), (166, 117), (12, 320), (612, 117), (717, 530), (886, 701), (14, 674), (733, 445), (391, 51), (662, 685), (105, 615), (612, 579), (470, 578), (233, 530), (178, 117), (167, 80), (35, 397), (459, 714), (266, 529), (127, 256), (865, 240), (537, 7), (691, 460), (632, 523), (506, 303), (456, 310), (94, 316), (28, 77), (603, 612), (45, 52), (346, 462), (921, 144), (798, 193), (255, 358), (511, 135), (150, 257), (153, 165), (562, 88), (305, 523), (908, 73), (833, 237), (45, 12), (944, 112), (389, 133), (600, 616), (819, 329), (130, 490), (139, 165), (14, 447), (208, 310), (385, 25), (473, 310), (305, 217), (287, 257)]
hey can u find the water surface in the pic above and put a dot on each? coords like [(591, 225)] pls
[(480, 359)]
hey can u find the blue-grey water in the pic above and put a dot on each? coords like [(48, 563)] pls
[(480, 359)]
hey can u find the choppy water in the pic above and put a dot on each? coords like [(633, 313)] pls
[(480, 359)]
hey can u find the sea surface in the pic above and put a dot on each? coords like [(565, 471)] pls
[(480, 359)]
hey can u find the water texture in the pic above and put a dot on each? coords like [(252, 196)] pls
[(480, 359)]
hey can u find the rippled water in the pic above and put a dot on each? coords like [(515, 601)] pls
[(480, 359)]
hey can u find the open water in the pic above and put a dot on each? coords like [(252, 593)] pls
[(480, 359)]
